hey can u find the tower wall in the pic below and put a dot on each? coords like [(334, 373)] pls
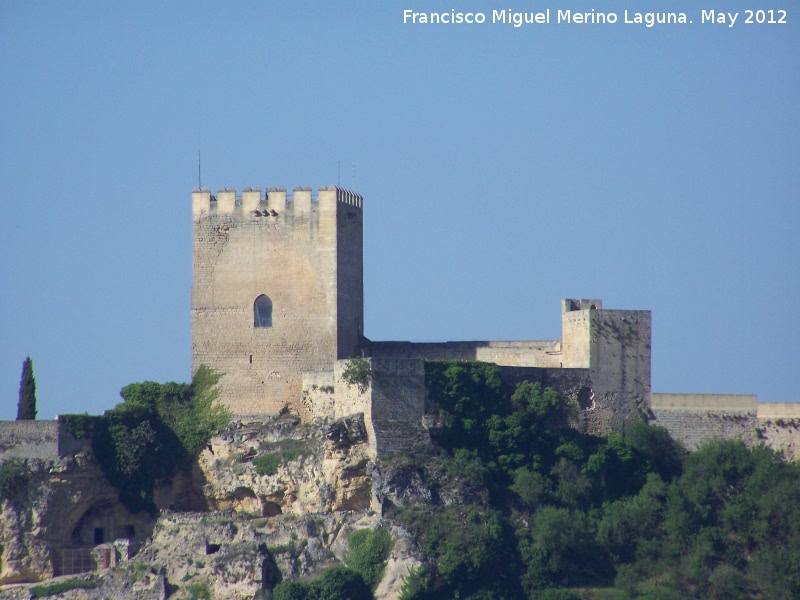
[(575, 332), (291, 258), (619, 368), (350, 271)]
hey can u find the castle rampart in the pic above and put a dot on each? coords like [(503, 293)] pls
[(301, 200), (729, 403), (38, 440), (513, 353), (695, 419), (392, 401)]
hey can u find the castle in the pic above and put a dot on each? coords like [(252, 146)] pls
[(278, 307)]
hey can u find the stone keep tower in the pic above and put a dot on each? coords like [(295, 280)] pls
[(614, 345), (278, 289)]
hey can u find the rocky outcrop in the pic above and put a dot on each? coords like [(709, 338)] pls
[(266, 501), (46, 513), (320, 468), (235, 556)]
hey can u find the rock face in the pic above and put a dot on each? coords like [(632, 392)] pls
[(52, 508), (318, 468), (235, 556), (266, 501)]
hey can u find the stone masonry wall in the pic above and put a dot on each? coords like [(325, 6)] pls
[(350, 276), (28, 439), (694, 419), (38, 439), (532, 353), (398, 404), (393, 403), (695, 427), (619, 368), (575, 332), (728, 403)]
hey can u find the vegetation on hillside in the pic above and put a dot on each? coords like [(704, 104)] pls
[(365, 560), (14, 477), (630, 512), (26, 407), (155, 432), (535, 509)]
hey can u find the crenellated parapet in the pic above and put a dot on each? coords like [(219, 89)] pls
[(252, 203)]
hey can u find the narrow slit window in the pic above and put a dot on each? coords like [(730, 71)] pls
[(263, 311)]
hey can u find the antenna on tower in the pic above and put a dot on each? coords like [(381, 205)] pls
[(354, 177), (338, 173), (199, 180)]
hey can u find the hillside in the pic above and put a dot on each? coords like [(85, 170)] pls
[(509, 501)]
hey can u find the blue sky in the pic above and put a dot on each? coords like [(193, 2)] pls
[(502, 169)]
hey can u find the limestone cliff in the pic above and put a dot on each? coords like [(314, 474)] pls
[(266, 501)]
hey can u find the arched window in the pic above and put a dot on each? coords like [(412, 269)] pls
[(262, 311)]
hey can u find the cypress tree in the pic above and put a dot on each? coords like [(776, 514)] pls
[(26, 409)]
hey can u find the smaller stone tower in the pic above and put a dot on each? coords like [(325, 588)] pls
[(614, 345), (277, 289)]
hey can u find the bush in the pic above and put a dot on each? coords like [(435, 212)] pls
[(472, 550), (80, 426), (358, 372), (14, 476), (340, 583), (51, 589), (337, 583), (267, 464), (291, 590), (198, 591), (545, 406), (415, 584), (155, 433), (369, 551)]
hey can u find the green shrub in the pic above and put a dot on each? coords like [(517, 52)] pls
[(368, 553), (415, 584), (267, 464), (198, 591), (337, 583), (80, 426), (358, 372), (340, 583), (14, 476), (291, 590), (51, 589), (155, 433)]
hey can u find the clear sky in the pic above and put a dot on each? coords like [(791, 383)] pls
[(502, 169)]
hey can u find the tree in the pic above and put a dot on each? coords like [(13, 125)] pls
[(26, 409)]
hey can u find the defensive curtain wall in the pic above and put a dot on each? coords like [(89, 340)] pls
[(694, 419), (609, 374), (602, 360), (38, 440)]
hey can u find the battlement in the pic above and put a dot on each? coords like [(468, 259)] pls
[(570, 305), (275, 200)]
